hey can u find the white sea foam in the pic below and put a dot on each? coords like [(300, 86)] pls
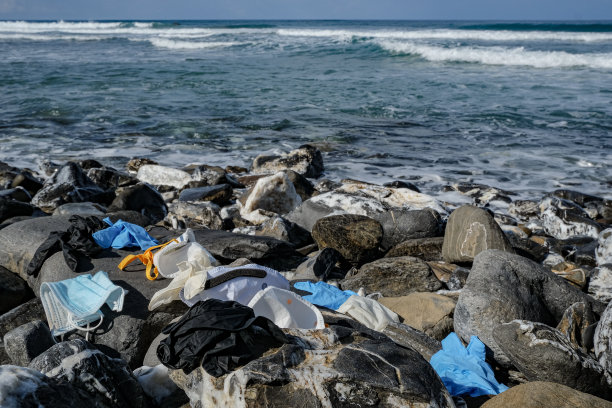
[(446, 34), (189, 45), (500, 55)]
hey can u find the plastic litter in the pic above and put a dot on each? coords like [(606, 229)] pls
[(235, 283), (368, 312), (464, 371), (324, 294), (74, 303), (123, 235), (286, 309)]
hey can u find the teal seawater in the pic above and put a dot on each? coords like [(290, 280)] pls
[(525, 106)]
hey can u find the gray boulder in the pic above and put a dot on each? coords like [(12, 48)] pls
[(394, 277), (10, 208), (469, 231), (83, 209), (578, 323), (13, 290), (543, 353), (319, 265), (409, 337), (141, 198), (343, 365), (428, 249), (502, 287), (28, 341), (285, 230), (69, 185), (563, 219), (356, 237), (305, 160), (195, 214), (400, 225), (109, 381), (219, 194)]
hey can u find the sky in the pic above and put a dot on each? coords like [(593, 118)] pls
[(306, 9)]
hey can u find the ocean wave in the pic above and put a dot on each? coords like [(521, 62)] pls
[(40, 37), (500, 55), (189, 45), (447, 34)]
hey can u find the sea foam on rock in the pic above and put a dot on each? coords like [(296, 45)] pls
[(305, 160), (163, 176), (274, 193), (563, 219)]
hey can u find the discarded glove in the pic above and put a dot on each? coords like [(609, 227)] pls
[(122, 235), (464, 370)]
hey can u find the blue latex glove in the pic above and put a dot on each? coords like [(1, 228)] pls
[(464, 371), (324, 294), (123, 234)]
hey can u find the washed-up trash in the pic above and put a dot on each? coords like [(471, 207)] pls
[(368, 312), (324, 294), (75, 303), (286, 309), (239, 283), (463, 370), (218, 335), (184, 249), (124, 235), (74, 242)]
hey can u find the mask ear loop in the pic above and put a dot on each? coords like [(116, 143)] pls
[(73, 325)]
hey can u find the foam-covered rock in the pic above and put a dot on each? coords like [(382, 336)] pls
[(603, 339), (163, 176), (600, 283), (563, 219), (305, 160), (543, 353), (603, 253), (274, 193), (195, 214)]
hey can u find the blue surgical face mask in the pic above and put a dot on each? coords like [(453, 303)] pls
[(74, 303)]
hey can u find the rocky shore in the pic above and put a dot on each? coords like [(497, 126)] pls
[(531, 279)]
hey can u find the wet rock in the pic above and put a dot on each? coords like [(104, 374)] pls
[(205, 175), (141, 198), (110, 179), (219, 194), (336, 366), (563, 219), (469, 231), (428, 312), (571, 272), (577, 324), (394, 277), (410, 337), (229, 246), (28, 388), (320, 266), (528, 248), (303, 186), (524, 209), (481, 193), (579, 249), (543, 353), (22, 314), (12, 177), (502, 287), (401, 225), (13, 290), (280, 228), (17, 194), (236, 169), (603, 339), (83, 209), (326, 185), (19, 241), (600, 283), (355, 237), (132, 217), (274, 193), (137, 162), (28, 341), (402, 184), (577, 197), (538, 394), (428, 249), (78, 363), (458, 278), (250, 179), (69, 185), (196, 214), (603, 253), (305, 160), (163, 176)]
